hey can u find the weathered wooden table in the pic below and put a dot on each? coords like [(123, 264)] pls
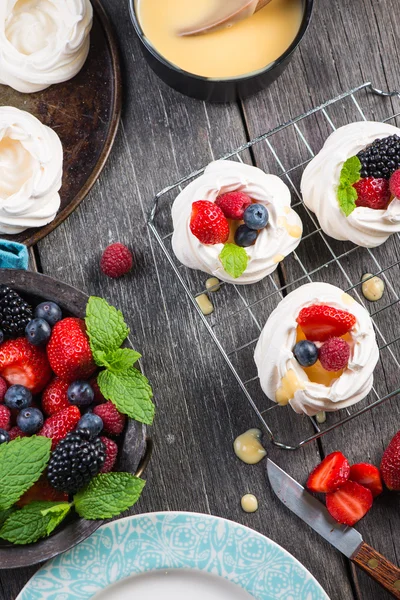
[(200, 407)]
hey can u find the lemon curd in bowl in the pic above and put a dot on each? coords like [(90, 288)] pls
[(243, 48)]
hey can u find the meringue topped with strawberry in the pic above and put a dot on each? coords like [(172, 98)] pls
[(235, 222), (352, 186), (317, 351)]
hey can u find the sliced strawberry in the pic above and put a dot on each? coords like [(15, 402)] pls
[(368, 476), (24, 364), (330, 474), (350, 503), (320, 322)]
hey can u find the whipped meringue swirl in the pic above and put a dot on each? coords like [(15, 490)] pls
[(43, 42), (31, 159), (281, 236), (365, 227), (274, 353)]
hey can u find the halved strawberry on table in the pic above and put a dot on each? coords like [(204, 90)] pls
[(349, 503), (367, 475), (320, 322), (330, 474), (24, 364)]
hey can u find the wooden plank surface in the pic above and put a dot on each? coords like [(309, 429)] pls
[(201, 408)]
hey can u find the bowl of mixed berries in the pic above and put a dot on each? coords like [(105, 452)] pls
[(73, 414)]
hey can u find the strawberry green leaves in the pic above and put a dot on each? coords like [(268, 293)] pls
[(234, 259), (346, 193), (119, 382)]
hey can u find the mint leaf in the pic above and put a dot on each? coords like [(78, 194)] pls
[(4, 514), (346, 193), (27, 525), (234, 259), (105, 325), (131, 393), (22, 461), (117, 360), (351, 170), (57, 514), (108, 495)]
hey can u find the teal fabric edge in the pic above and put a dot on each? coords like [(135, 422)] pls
[(13, 255)]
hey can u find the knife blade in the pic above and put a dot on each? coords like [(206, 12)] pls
[(346, 539)]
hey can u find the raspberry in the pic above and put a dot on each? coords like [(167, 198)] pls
[(16, 432), (208, 223), (111, 454), (113, 420), (3, 389), (233, 204), (334, 354), (394, 184), (5, 417), (55, 397), (320, 322), (372, 193), (116, 261)]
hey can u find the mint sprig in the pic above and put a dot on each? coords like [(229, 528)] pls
[(34, 521), (119, 382), (346, 193), (22, 461), (108, 495), (234, 259)]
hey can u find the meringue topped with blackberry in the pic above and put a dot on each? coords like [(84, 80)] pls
[(317, 351), (352, 185), (235, 222)]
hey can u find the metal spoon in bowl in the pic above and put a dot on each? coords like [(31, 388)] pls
[(229, 12)]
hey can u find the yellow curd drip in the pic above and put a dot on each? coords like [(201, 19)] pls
[(293, 230), (247, 46), (290, 383)]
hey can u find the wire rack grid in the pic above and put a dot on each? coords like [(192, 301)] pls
[(332, 263)]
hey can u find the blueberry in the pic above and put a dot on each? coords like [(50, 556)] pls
[(256, 216), (18, 396), (80, 393), (30, 420), (91, 422), (49, 311), (244, 236), (306, 353), (38, 332), (4, 436)]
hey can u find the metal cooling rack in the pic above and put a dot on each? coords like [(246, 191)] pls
[(241, 311)]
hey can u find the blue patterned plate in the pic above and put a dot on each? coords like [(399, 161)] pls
[(164, 554)]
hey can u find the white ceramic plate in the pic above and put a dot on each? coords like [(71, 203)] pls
[(174, 556)]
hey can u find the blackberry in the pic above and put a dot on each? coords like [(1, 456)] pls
[(15, 312), (75, 461), (381, 158)]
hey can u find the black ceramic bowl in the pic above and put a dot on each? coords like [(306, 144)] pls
[(218, 90), (133, 455)]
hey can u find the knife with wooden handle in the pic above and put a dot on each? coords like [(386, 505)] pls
[(344, 538)]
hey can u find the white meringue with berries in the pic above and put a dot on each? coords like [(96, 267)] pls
[(285, 381)]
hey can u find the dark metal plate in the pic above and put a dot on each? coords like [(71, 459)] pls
[(34, 286), (85, 113)]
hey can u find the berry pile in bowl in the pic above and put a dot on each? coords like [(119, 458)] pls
[(73, 411)]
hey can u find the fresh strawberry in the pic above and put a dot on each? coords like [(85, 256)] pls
[(349, 503), (233, 204), (24, 364), (372, 193), (111, 454), (330, 474), (59, 425), (16, 432), (208, 223), (368, 476), (3, 389), (113, 420), (42, 490), (334, 354), (320, 322), (69, 350), (98, 396), (5, 417), (394, 184), (390, 465), (55, 397)]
